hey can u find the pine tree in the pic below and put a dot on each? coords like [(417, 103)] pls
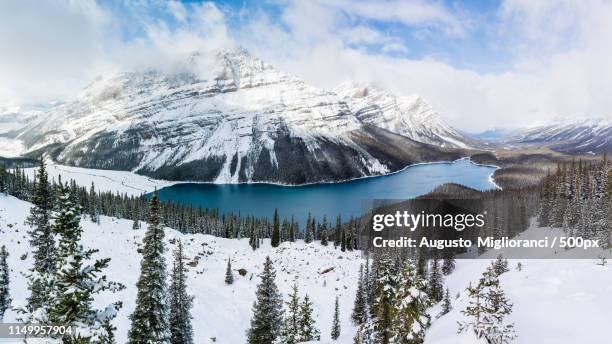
[(335, 332), (446, 303), (267, 309), (343, 239), (43, 245), (5, 299), (308, 330), (150, 317), (448, 266), (92, 208), (337, 234), (380, 327), (411, 304), (275, 229), (291, 325), (309, 229), (229, 276), (323, 234), (500, 265), (181, 331), (77, 280), (436, 285), (253, 235), (422, 265), (487, 309), (360, 311)]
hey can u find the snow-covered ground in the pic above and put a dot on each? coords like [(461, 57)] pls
[(105, 180), (219, 311), (555, 301)]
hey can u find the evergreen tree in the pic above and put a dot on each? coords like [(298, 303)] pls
[(181, 331), (448, 266), (436, 285), (77, 279), (360, 312), (275, 229), (446, 303), (487, 309), (337, 231), (411, 304), (229, 276), (379, 329), (291, 325), (253, 235), (500, 265), (309, 229), (267, 309), (323, 234), (335, 331), (308, 330), (92, 209), (5, 299), (422, 265), (343, 239), (150, 317), (43, 246)]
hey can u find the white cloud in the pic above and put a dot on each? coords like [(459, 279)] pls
[(560, 49)]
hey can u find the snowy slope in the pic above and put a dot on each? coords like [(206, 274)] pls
[(242, 120), (555, 301), (104, 180), (219, 311), (583, 136)]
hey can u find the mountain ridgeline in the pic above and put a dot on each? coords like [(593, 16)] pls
[(243, 121)]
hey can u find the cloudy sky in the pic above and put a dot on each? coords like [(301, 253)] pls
[(481, 64)]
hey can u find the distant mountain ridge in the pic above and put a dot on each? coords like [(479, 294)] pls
[(572, 136), (244, 122)]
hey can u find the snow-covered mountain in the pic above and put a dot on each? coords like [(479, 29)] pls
[(584, 136), (239, 121), (408, 116)]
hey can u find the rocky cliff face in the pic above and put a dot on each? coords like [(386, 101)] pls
[(240, 121)]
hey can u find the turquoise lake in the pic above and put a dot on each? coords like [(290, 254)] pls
[(347, 198)]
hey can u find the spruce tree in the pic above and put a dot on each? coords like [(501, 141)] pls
[(309, 229), (253, 235), (308, 330), (92, 209), (181, 331), (323, 234), (335, 331), (291, 326), (229, 276), (337, 234), (380, 327), (267, 309), (77, 280), (5, 299), (436, 285), (500, 265), (448, 266), (149, 321), (275, 229), (343, 239), (487, 310), (410, 305), (446, 303), (360, 311), (43, 246)]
